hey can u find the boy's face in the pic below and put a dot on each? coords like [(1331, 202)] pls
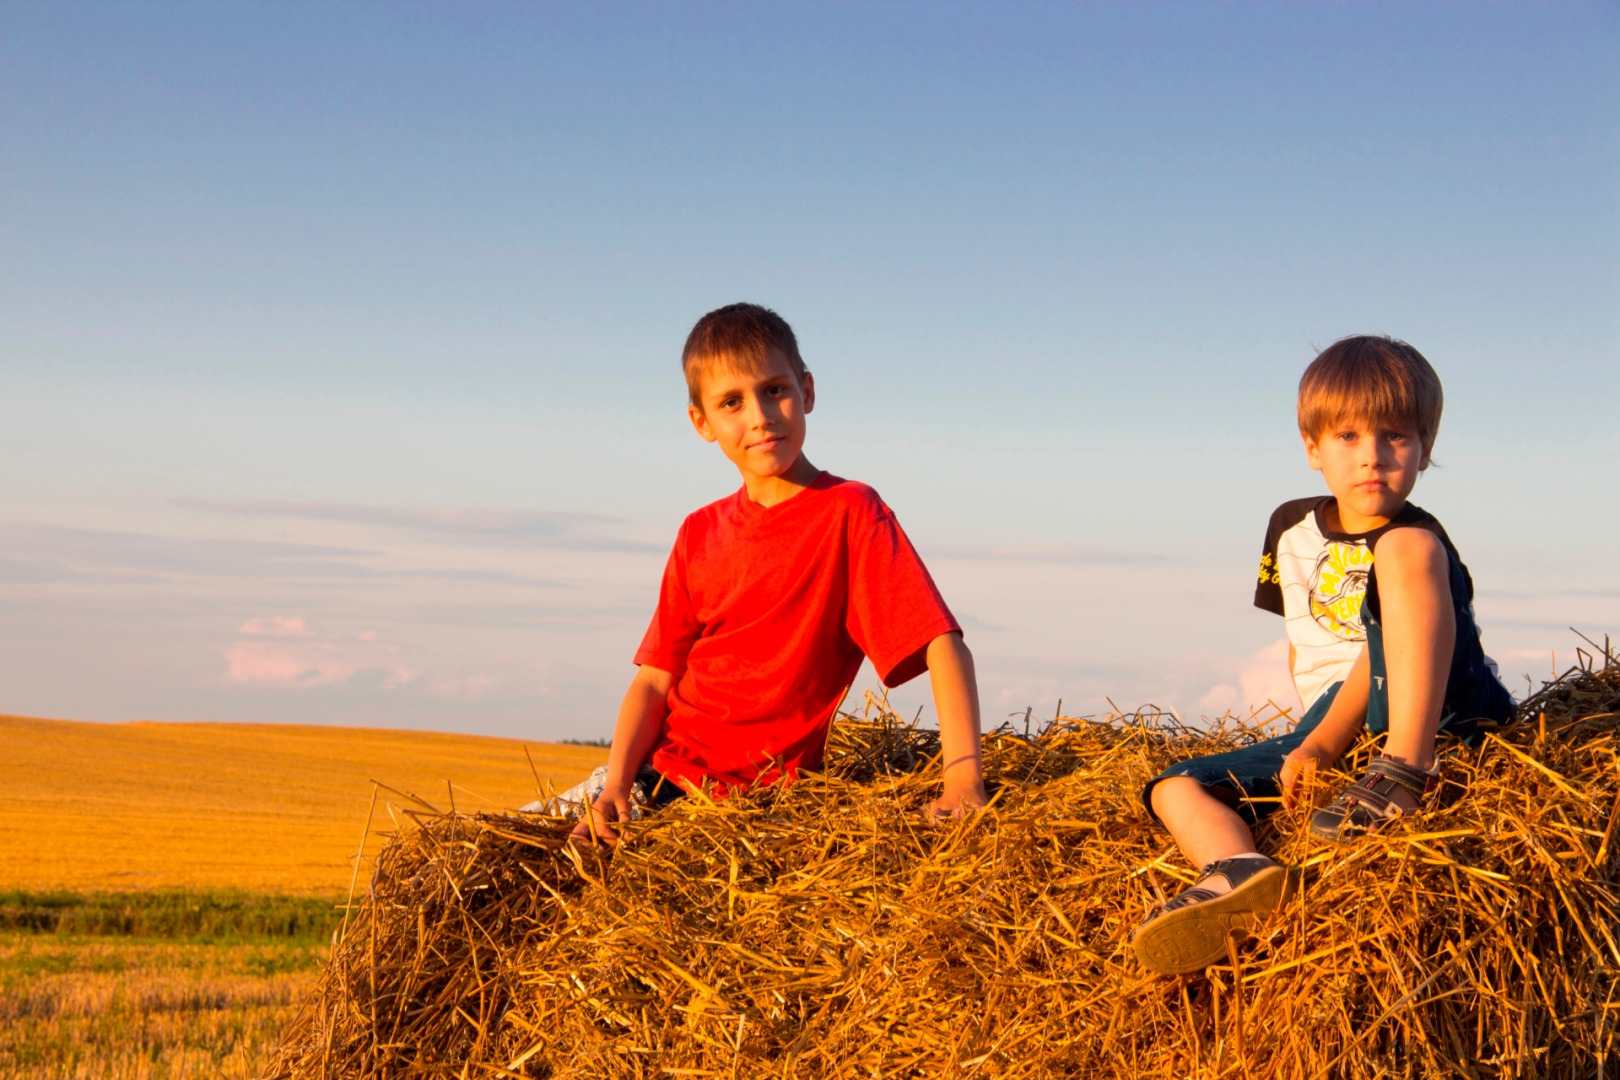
[(1371, 468), (756, 417)]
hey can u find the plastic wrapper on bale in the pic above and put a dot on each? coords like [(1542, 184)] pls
[(823, 930)]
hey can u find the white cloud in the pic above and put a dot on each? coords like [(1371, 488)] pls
[(472, 687), (275, 626), (552, 529), (1260, 678), (46, 553), (283, 650), (1040, 553)]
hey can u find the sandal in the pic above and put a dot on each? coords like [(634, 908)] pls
[(1189, 933), (1369, 803)]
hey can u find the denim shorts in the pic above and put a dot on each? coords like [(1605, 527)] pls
[(1246, 778)]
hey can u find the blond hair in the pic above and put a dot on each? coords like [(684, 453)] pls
[(1373, 379), (741, 335)]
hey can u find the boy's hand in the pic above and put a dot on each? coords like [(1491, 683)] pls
[(1301, 764), (610, 808), (641, 714), (959, 800)]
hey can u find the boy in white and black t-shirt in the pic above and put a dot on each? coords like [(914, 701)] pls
[(1404, 660), (1315, 577)]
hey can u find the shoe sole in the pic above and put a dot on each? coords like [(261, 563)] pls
[(1192, 938), (1339, 832), (1335, 834)]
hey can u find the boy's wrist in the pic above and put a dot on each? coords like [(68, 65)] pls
[(617, 785), (966, 777), (964, 768), (1316, 748)]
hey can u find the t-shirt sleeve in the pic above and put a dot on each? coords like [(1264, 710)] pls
[(1268, 594), (894, 608), (675, 624)]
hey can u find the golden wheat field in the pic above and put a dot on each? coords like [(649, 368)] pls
[(142, 824), (270, 808)]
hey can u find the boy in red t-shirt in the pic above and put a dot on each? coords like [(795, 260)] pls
[(771, 598)]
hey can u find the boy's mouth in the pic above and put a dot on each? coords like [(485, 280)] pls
[(767, 444)]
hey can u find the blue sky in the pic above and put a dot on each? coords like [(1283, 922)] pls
[(339, 342)]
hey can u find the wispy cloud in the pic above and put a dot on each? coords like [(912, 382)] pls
[(1262, 677), (537, 528), (45, 553), (1041, 553), (284, 651), (973, 622), (279, 626)]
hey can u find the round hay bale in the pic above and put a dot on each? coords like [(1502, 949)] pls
[(822, 930)]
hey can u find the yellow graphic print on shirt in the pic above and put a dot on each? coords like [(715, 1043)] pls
[(1337, 587), (1268, 570)]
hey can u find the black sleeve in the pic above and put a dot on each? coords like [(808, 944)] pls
[(1432, 523), (1268, 589), (1416, 515)]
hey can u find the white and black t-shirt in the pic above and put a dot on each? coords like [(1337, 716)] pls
[(1315, 578)]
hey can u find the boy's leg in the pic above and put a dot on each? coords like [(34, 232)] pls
[(1411, 645), (651, 790), (1399, 705), (1236, 888), (1205, 828), (571, 803)]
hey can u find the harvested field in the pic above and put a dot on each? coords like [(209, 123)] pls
[(152, 985), (119, 1009), (264, 807), (823, 931)]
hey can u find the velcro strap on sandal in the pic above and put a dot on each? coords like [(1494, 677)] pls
[(1194, 895), (1237, 869), (1384, 777), (1416, 782)]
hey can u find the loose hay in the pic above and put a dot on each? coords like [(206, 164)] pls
[(825, 931)]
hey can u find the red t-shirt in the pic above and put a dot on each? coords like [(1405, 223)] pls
[(763, 617)]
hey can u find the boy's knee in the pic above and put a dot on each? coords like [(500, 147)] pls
[(1172, 793)]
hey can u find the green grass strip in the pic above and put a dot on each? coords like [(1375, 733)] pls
[(179, 915)]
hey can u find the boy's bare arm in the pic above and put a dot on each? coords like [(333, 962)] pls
[(956, 702), (1333, 736), (1420, 628), (1414, 590), (641, 717)]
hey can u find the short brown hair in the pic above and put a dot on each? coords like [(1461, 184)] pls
[(1376, 379), (742, 335)]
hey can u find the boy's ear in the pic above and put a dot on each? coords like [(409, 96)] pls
[(808, 386), (700, 423), (1313, 453)]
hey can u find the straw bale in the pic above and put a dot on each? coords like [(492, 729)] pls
[(823, 930)]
